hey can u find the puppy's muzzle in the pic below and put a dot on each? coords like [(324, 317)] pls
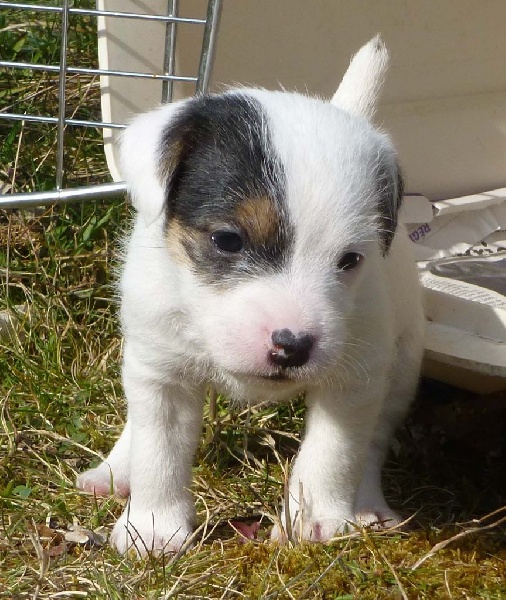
[(290, 350)]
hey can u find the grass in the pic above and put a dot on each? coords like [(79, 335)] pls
[(61, 407)]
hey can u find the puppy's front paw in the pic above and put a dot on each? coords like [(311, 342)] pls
[(146, 531), (381, 518), (103, 481), (312, 529)]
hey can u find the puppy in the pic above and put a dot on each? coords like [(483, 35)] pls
[(265, 258)]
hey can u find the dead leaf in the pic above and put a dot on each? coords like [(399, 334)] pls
[(57, 550), (246, 530), (86, 537)]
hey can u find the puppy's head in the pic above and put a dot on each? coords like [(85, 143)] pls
[(276, 209)]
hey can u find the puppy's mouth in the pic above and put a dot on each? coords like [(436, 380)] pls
[(285, 374), (280, 375)]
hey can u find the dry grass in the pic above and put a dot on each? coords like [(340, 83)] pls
[(61, 408)]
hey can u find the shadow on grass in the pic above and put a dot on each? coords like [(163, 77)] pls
[(446, 467), (449, 464)]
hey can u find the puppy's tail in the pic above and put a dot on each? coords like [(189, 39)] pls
[(361, 85)]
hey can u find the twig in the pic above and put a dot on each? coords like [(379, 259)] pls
[(61, 438), (286, 497), (12, 438), (461, 535), (396, 577), (41, 555), (479, 521), (210, 426)]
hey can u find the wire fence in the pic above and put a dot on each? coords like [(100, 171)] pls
[(61, 121)]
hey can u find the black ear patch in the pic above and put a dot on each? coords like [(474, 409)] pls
[(216, 150), (390, 191), (220, 172)]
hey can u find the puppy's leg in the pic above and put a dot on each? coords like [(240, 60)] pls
[(113, 474), (166, 421), (329, 466), (371, 507)]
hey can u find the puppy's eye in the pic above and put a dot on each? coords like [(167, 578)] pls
[(350, 261), (227, 241)]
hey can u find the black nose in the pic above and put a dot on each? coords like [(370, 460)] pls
[(290, 350)]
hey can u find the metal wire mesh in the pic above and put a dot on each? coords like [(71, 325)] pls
[(61, 121)]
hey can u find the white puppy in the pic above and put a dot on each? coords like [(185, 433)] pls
[(266, 258)]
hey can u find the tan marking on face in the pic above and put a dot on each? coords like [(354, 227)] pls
[(177, 233), (259, 219)]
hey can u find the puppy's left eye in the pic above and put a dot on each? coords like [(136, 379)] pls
[(350, 261), (227, 241)]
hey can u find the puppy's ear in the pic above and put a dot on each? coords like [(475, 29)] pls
[(361, 85), (140, 155), (390, 185)]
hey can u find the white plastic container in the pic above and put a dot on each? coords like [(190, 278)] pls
[(444, 104)]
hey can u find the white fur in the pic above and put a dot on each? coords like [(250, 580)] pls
[(180, 333), (362, 82), (139, 160)]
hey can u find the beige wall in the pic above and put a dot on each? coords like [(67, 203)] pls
[(444, 101)]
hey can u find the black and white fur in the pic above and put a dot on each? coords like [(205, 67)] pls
[(265, 258)]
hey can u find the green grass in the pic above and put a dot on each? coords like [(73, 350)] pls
[(27, 150), (61, 407)]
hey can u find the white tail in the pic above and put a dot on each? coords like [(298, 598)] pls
[(361, 85)]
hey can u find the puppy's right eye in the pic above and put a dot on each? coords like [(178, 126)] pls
[(227, 241), (350, 261)]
